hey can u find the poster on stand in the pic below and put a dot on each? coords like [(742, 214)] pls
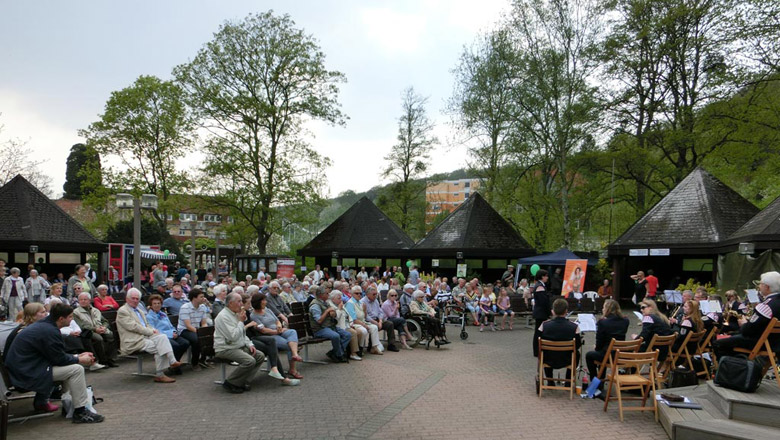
[(574, 277)]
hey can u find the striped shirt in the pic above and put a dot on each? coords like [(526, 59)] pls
[(188, 311)]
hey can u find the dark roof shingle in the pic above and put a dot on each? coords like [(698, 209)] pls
[(700, 212), (363, 229), (31, 218), (474, 226), (763, 226)]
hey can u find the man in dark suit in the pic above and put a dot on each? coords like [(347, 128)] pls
[(558, 329), (37, 358)]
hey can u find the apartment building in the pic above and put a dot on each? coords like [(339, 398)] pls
[(447, 195)]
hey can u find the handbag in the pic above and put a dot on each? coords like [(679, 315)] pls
[(739, 373), (682, 377)]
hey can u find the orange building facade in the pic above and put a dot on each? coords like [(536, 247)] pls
[(447, 195)]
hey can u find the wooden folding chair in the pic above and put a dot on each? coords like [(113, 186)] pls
[(663, 367), (684, 353), (762, 348), (706, 346), (634, 363), (631, 346), (545, 345)]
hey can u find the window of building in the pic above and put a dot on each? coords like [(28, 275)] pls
[(183, 232), (188, 217), (467, 184), (214, 218), (231, 220), (456, 195), (169, 217), (455, 183), (466, 196)]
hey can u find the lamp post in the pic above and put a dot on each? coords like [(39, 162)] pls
[(127, 201)]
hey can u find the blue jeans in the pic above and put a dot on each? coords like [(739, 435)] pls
[(339, 338), (283, 340)]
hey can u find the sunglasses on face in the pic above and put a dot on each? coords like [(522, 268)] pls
[(642, 307)]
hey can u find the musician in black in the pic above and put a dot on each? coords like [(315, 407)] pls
[(750, 331), (542, 305), (612, 325), (679, 313), (653, 323), (558, 329)]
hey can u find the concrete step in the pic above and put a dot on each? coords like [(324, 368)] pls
[(669, 416), (761, 407), (723, 429)]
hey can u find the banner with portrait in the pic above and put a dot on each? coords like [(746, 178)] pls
[(574, 278)]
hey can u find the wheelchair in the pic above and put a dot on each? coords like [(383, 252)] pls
[(419, 333)]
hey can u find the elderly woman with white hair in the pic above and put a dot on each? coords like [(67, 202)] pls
[(357, 312), (344, 322), (36, 287), (427, 315), (13, 293), (750, 331)]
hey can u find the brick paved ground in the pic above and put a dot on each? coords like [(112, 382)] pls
[(479, 389)]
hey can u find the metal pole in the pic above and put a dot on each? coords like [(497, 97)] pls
[(192, 252), (136, 242), (216, 246)]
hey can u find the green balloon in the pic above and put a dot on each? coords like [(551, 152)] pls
[(534, 269), (409, 263), (166, 252)]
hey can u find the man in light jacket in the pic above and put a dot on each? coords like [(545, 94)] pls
[(135, 334), (231, 344), (13, 293)]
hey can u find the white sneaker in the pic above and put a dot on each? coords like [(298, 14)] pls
[(97, 366), (355, 357)]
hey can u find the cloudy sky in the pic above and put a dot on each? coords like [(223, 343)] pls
[(61, 60)]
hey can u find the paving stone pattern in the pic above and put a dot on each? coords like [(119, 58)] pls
[(480, 389)]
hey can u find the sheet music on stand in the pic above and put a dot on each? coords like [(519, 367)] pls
[(752, 295), (673, 296), (715, 306), (587, 322)]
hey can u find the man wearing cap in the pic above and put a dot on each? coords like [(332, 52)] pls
[(750, 331), (509, 276)]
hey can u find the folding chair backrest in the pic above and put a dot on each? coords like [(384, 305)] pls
[(772, 328), (635, 360), (705, 343), (297, 308), (546, 345), (661, 341), (696, 337), (631, 346), (206, 340)]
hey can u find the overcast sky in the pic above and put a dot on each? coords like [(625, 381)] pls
[(62, 59)]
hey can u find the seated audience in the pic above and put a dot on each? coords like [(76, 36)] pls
[(159, 320), (505, 308), (322, 320), (37, 358), (192, 316), (231, 344), (486, 314), (357, 312), (391, 308), (358, 334), (103, 301), (220, 293), (173, 303), (375, 316), (136, 334), (33, 312), (427, 315), (91, 320), (55, 296), (268, 324)]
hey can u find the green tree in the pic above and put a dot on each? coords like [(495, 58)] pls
[(557, 106), (81, 162), (254, 86), (483, 111), (404, 199), (148, 128)]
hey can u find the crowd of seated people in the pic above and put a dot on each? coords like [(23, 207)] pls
[(252, 320)]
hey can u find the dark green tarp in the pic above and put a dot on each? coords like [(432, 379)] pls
[(737, 271)]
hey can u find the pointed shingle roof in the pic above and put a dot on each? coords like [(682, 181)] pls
[(363, 230), (699, 213), (477, 230), (764, 226), (29, 218)]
